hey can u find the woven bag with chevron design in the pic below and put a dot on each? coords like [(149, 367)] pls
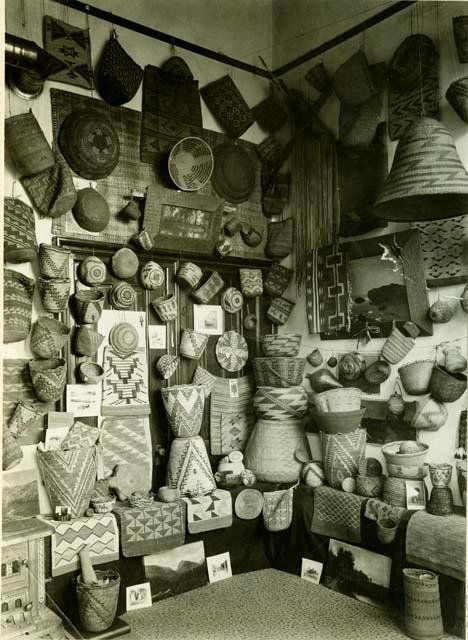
[(19, 228), (184, 405), (18, 290), (343, 455)]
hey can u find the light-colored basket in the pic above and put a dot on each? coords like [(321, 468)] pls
[(97, 601), (192, 344), (445, 386), (48, 378), (251, 282), (166, 307), (88, 305), (343, 454), (204, 378), (189, 275), (281, 345), (167, 365), (102, 504), (397, 346), (414, 459), (278, 372), (342, 399), (408, 472), (423, 615), (53, 261), (279, 310), (48, 336), (394, 492), (91, 372), (277, 403), (209, 289), (184, 404), (415, 376), (440, 473), (386, 530)]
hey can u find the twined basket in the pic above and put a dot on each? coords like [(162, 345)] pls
[(19, 231), (18, 290), (457, 97), (343, 455), (53, 261), (204, 378), (189, 275), (270, 451), (48, 378), (69, 477), (209, 289), (27, 144), (277, 403), (97, 601), (190, 453), (281, 344), (423, 616), (397, 346), (54, 293), (415, 376), (118, 75), (166, 307), (278, 372), (192, 344), (88, 305), (279, 310), (86, 341), (341, 399), (394, 492), (184, 405), (48, 336), (251, 282)]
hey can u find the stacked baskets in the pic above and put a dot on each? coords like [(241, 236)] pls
[(405, 461), (280, 404)]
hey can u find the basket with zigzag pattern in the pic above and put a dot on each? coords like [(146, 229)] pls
[(343, 455), (192, 344), (184, 404), (48, 378), (54, 293), (97, 601)]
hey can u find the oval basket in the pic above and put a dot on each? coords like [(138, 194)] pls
[(278, 372), (281, 344)]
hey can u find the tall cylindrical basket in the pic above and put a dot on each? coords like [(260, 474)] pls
[(97, 601), (423, 617)]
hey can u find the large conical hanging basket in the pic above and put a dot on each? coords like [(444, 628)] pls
[(18, 290), (184, 405), (48, 378), (69, 477), (188, 467), (423, 616), (97, 601), (427, 180), (27, 144), (19, 231), (48, 336), (343, 455), (271, 450)]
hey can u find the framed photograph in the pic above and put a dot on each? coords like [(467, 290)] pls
[(311, 570), (415, 495), (181, 220), (358, 573), (20, 494), (209, 319), (219, 567), (138, 596), (84, 400), (176, 570)]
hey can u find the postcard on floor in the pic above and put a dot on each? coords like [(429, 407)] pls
[(138, 596), (219, 567), (311, 570)]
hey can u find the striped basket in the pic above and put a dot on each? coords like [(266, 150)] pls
[(394, 492), (281, 345), (342, 399), (457, 97), (192, 344), (277, 403), (48, 336), (397, 346), (423, 615), (279, 372)]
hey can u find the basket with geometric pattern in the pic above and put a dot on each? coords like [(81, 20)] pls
[(278, 372), (281, 344), (97, 601)]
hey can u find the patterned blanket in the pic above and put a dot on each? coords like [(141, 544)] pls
[(205, 513), (337, 514), (125, 387), (99, 533), (153, 529), (376, 509)]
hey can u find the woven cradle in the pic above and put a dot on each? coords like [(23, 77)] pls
[(457, 97), (423, 616), (88, 306), (341, 399), (48, 336), (48, 378), (279, 310), (270, 451), (97, 602), (251, 282), (54, 293), (19, 231), (343, 455), (415, 376), (192, 344), (445, 386), (184, 404), (18, 290), (277, 403), (278, 372), (69, 477), (27, 144), (441, 501), (86, 341), (53, 261), (209, 289), (189, 275), (397, 346), (281, 344), (189, 468)]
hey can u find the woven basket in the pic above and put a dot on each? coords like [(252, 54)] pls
[(54, 294), (279, 310), (358, 123), (445, 386), (430, 415), (277, 403), (190, 163), (343, 399), (90, 210), (48, 336), (51, 192), (23, 417), (397, 346), (413, 459), (123, 338), (353, 81), (270, 451), (386, 530), (461, 477), (337, 421), (48, 378), (27, 144), (281, 345), (118, 75), (53, 261), (86, 341), (19, 231), (251, 282), (92, 271), (415, 376), (343, 455), (277, 280), (124, 263), (90, 372), (271, 113), (190, 451), (97, 602), (189, 275), (280, 239), (167, 365), (192, 344), (394, 492), (204, 378), (318, 77), (423, 616), (460, 33), (441, 501), (11, 451), (278, 372), (457, 97), (152, 275), (88, 305), (184, 404), (17, 305), (369, 486), (122, 296), (209, 289), (408, 472)]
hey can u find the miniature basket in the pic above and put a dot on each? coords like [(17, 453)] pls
[(102, 504), (18, 291), (341, 399), (48, 336), (276, 403), (88, 305), (48, 378), (166, 307), (167, 365), (209, 289), (281, 344), (415, 376), (54, 294), (457, 97), (184, 404), (369, 486), (423, 615), (189, 275), (445, 386), (337, 421), (97, 601), (190, 163), (53, 261), (192, 344), (386, 530), (414, 459), (278, 372), (90, 372), (397, 346)]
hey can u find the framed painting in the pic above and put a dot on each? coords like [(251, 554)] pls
[(183, 221)]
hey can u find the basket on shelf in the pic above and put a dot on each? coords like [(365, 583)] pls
[(441, 501)]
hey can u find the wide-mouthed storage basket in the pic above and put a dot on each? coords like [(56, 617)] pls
[(445, 386), (192, 344), (278, 372), (88, 305), (341, 399), (413, 458), (53, 261), (415, 376), (277, 403), (337, 421), (48, 336), (97, 601), (281, 344), (184, 404), (48, 378)]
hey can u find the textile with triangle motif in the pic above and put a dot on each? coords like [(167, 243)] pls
[(125, 386), (205, 513), (71, 47), (152, 529)]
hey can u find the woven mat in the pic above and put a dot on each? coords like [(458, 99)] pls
[(17, 386), (376, 509), (125, 385), (437, 543), (71, 45), (129, 173), (231, 418), (99, 533), (205, 513), (337, 514), (147, 531)]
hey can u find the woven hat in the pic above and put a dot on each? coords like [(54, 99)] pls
[(190, 163), (92, 271), (427, 180), (124, 338), (226, 103), (122, 296), (27, 144), (91, 211), (19, 228), (411, 59), (176, 66), (124, 263), (18, 290), (460, 33), (89, 143), (353, 82), (118, 76), (48, 336), (52, 192), (457, 97), (233, 175)]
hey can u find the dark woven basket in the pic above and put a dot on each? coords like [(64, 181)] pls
[(441, 501), (18, 290), (27, 144), (423, 616), (280, 239), (457, 97), (97, 602), (118, 76), (19, 228), (460, 33)]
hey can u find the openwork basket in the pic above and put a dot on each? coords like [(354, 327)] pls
[(277, 403), (190, 163), (192, 344), (281, 344), (278, 372), (341, 399), (423, 616), (97, 602), (48, 336)]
